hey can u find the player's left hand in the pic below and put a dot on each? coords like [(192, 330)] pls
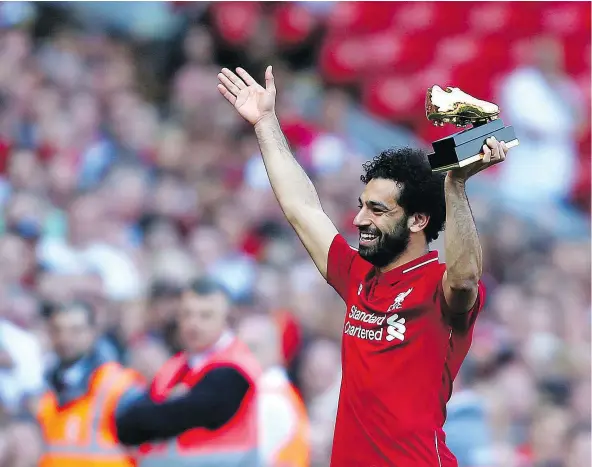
[(493, 152)]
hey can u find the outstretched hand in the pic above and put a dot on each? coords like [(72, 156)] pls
[(252, 101), (494, 152)]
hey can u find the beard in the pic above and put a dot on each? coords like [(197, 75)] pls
[(388, 246)]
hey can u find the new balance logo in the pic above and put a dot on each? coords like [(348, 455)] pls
[(396, 328)]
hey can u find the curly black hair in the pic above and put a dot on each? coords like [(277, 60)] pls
[(422, 191)]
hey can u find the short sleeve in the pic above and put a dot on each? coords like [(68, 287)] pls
[(339, 265)]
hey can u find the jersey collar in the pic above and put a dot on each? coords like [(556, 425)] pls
[(397, 273)]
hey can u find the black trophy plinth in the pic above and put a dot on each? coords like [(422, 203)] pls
[(465, 147)]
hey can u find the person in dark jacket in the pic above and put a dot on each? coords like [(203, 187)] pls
[(217, 396)]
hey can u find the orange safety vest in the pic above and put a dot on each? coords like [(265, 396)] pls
[(82, 432), (233, 445), (296, 452)]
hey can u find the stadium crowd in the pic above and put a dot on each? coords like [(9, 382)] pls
[(123, 175)]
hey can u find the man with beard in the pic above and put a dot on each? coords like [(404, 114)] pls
[(409, 319)]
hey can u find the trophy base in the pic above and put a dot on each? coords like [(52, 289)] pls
[(464, 148)]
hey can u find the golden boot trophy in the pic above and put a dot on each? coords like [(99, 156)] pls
[(456, 107)]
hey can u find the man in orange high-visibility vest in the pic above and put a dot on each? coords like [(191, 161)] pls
[(283, 421), (203, 400), (77, 413)]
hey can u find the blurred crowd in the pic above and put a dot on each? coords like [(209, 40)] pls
[(123, 175)]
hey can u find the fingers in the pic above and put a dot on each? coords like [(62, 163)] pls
[(498, 150), (235, 84), (486, 154), (239, 83), (495, 149), (228, 84), (504, 151), (247, 78), (227, 94), (269, 80)]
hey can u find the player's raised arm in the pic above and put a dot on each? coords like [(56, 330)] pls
[(292, 187), (463, 251)]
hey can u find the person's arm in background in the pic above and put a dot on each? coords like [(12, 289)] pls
[(464, 262), (292, 187), (210, 404)]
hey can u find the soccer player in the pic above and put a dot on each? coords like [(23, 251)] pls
[(409, 319)]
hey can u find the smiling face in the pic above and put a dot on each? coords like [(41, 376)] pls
[(383, 224)]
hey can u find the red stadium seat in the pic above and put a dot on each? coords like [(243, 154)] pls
[(454, 50), (512, 20), (354, 18), (577, 55), (441, 75), (440, 18), (293, 23), (345, 60), (489, 17), (394, 98), (458, 50), (416, 53), (235, 21), (520, 52), (5, 148), (566, 18), (402, 97), (583, 81)]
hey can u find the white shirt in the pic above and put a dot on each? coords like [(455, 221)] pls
[(541, 167), (26, 376), (197, 359)]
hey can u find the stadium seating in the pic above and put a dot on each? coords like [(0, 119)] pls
[(393, 51), (469, 39)]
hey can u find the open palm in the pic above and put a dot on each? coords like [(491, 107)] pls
[(252, 101)]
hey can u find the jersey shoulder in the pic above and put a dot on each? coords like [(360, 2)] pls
[(427, 279)]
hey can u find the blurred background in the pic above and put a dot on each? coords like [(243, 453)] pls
[(124, 174)]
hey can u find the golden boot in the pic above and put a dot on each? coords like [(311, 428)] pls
[(457, 107)]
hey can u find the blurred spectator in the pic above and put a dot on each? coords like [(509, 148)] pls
[(86, 251), (201, 405), (21, 362), (321, 377), (283, 422), (84, 392), (545, 107), (466, 425)]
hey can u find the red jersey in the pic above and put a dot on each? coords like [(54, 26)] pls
[(400, 353)]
